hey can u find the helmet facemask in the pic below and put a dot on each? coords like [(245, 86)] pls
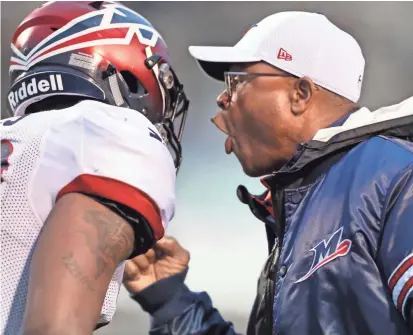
[(172, 123)]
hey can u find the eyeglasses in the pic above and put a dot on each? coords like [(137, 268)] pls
[(234, 79)]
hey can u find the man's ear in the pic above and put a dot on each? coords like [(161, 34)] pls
[(303, 90)]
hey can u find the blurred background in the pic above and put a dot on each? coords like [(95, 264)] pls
[(227, 244)]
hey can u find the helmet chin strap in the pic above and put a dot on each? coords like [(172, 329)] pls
[(114, 88), (155, 69), (111, 76), (163, 132)]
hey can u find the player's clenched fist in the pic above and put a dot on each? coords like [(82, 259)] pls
[(166, 259)]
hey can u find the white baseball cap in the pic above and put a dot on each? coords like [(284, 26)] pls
[(300, 43)]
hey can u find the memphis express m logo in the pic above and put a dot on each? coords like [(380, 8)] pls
[(28, 88)]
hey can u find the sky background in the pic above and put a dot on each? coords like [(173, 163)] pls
[(227, 244)]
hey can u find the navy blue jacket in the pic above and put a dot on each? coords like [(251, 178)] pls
[(339, 222)]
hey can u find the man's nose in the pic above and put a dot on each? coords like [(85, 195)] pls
[(223, 103), (223, 100)]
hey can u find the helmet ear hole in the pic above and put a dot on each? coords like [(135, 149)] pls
[(96, 4), (133, 83)]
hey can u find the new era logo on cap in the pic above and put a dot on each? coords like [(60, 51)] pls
[(283, 54)]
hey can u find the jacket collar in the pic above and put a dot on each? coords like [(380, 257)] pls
[(343, 134), (395, 121)]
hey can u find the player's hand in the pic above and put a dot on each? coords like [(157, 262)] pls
[(166, 259)]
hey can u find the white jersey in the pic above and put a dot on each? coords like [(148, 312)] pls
[(94, 148)]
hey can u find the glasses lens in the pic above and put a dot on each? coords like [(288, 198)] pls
[(227, 78)]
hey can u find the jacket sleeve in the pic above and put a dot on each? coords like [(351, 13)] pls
[(174, 309), (396, 249)]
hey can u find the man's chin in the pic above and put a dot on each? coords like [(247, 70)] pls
[(252, 171), (253, 174), (250, 167)]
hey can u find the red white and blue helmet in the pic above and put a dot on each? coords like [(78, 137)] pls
[(68, 51)]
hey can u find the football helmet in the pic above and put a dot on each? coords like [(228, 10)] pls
[(66, 51)]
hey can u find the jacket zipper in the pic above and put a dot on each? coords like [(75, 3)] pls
[(269, 289), (275, 255)]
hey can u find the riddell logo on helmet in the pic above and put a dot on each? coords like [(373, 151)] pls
[(36, 86)]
